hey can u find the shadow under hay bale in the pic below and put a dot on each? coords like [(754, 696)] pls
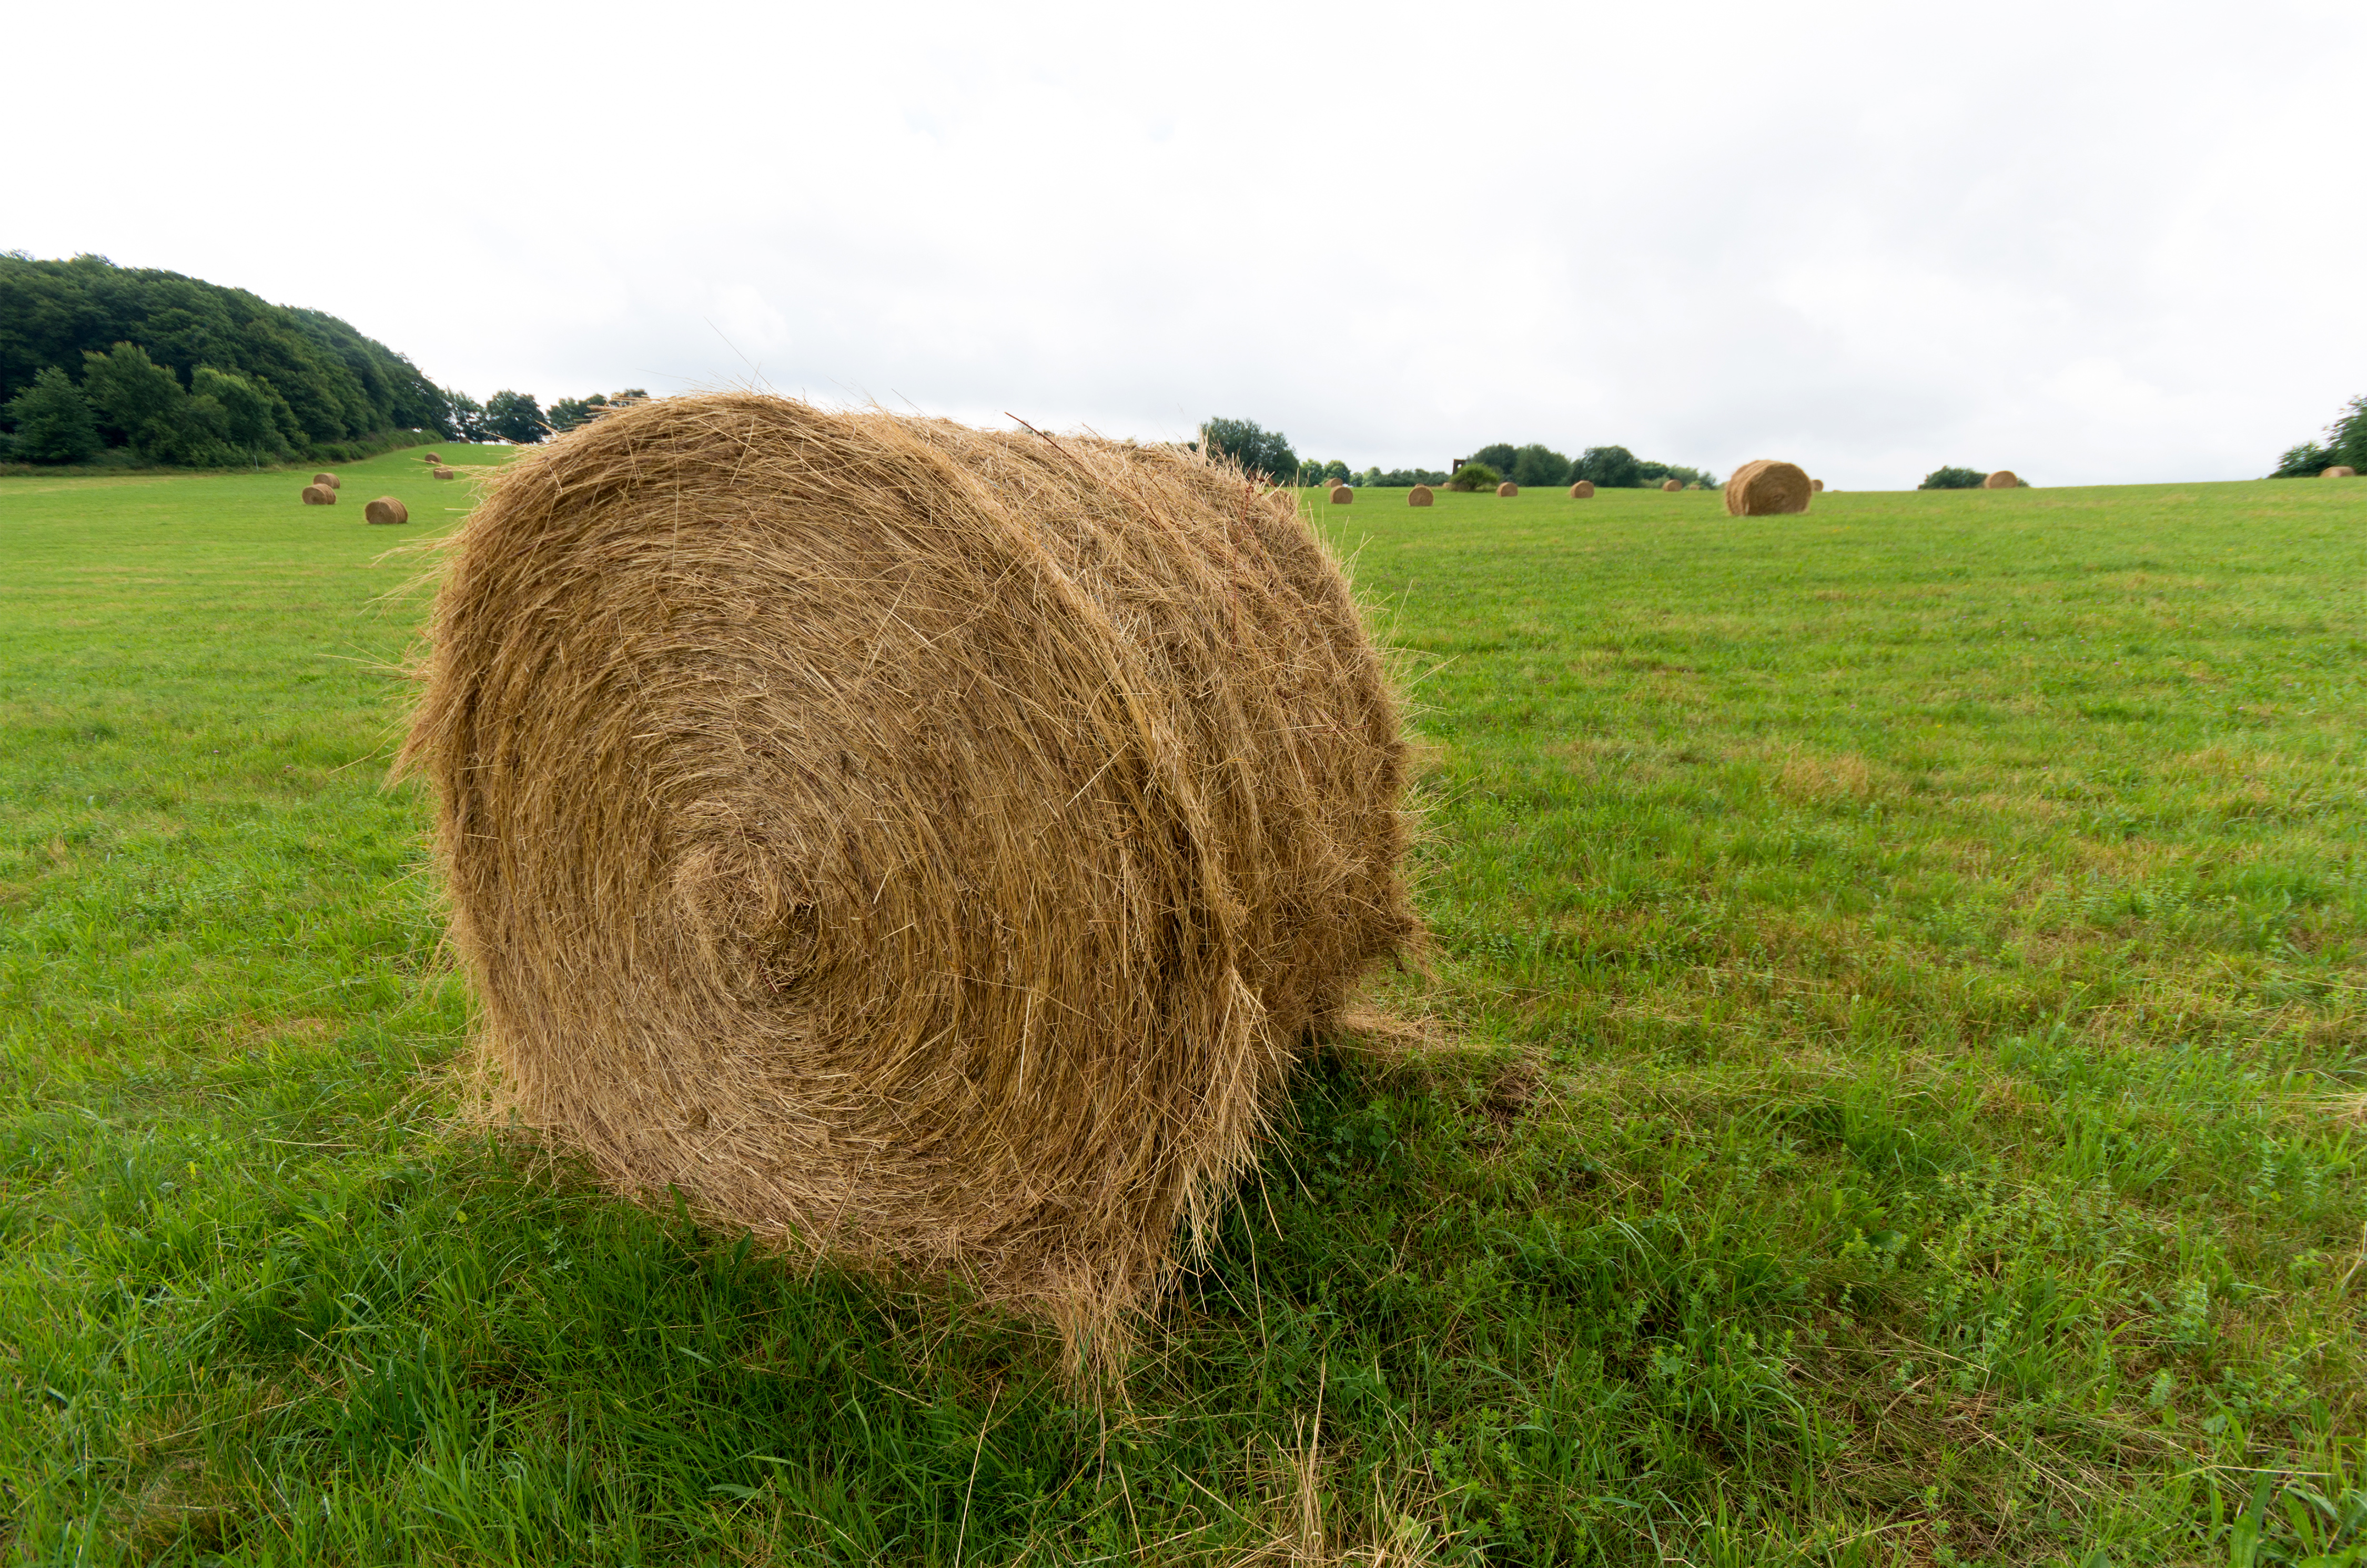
[(1419, 495), (1582, 490), (1342, 495), (319, 496), (925, 847), (1508, 488), (2003, 478), (1767, 488), (386, 510)]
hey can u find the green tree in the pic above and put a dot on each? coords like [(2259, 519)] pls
[(464, 417), (1539, 466), (1475, 476), (514, 416), (255, 419), (2306, 462), (1335, 472), (567, 413), (1953, 478), (2348, 435), (1311, 473), (129, 391), (1609, 468), (193, 433), (1264, 453), (53, 422)]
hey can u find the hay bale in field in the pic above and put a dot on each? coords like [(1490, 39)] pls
[(386, 510), (1582, 490), (921, 846), (2339, 471), (445, 474), (330, 480), (1767, 488), (1342, 495), (1419, 495), (2003, 478), (319, 496), (432, 458), (1508, 488), (1816, 487), (1672, 484)]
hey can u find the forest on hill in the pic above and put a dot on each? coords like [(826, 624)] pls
[(95, 355)]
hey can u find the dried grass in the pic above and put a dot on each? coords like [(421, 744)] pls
[(1508, 488), (1582, 490), (2003, 478), (319, 496), (922, 847), (1767, 488), (445, 474), (433, 458), (2339, 471), (1419, 495), (1816, 487), (1672, 484), (330, 480), (1342, 495), (386, 510)]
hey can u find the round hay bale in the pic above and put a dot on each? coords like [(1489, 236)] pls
[(1582, 490), (1672, 484), (2003, 478), (1508, 488), (432, 458), (2339, 471), (445, 473), (1767, 488), (924, 847), (1419, 495), (1816, 487), (330, 480), (1342, 495), (386, 510), (319, 496)]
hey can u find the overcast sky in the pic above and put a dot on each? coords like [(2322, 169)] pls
[(2091, 242)]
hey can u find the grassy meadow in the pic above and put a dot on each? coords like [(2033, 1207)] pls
[(1892, 1089)]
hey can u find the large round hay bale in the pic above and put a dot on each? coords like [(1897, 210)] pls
[(1672, 484), (2003, 478), (330, 480), (386, 510), (1508, 488), (319, 496), (1582, 490), (921, 846), (2339, 471), (432, 458), (1342, 495), (1419, 495), (445, 474), (1767, 488)]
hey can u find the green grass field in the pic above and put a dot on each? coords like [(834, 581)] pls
[(1894, 1089)]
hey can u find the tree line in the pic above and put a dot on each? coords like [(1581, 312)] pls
[(2345, 445), (1269, 455)]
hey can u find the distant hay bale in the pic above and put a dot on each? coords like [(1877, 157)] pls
[(2339, 471), (319, 496), (2002, 479), (1767, 488), (1508, 488), (1419, 495), (922, 847), (432, 458), (1816, 487), (1342, 495), (445, 474), (1582, 490), (330, 480), (1672, 484), (386, 510)]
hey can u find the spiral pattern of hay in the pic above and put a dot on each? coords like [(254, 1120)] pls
[(920, 846), (1419, 495), (2339, 471), (386, 510), (319, 496), (1767, 488), (330, 480), (2003, 478), (1582, 490), (1342, 495), (1508, 488)]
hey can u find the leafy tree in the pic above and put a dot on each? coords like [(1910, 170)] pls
[(464, 418), (1652, 474), (1335, 472), (129, 391), (1310, 473), (1953, 478), (1265, 453), (255, 419), (53, 424), (1499, 457), (514, 416), (1539, 466), (567, 413), (2306, 462), (194, 433), (1475, 476), (1610, 468), (2346, 443)]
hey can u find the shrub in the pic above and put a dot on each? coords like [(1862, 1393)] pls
[(1611, 468), (1475, 475), (53, 424), (2304, 461), (1953, 478), (1539, 467)]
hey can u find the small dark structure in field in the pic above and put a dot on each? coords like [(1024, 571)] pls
[(319, 496), (924, 847), (1342, 495), (1582, 490), (1767, 488), (1508, 488), (330, 480), (2003, 478), (1419, 495), (386, 510)]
